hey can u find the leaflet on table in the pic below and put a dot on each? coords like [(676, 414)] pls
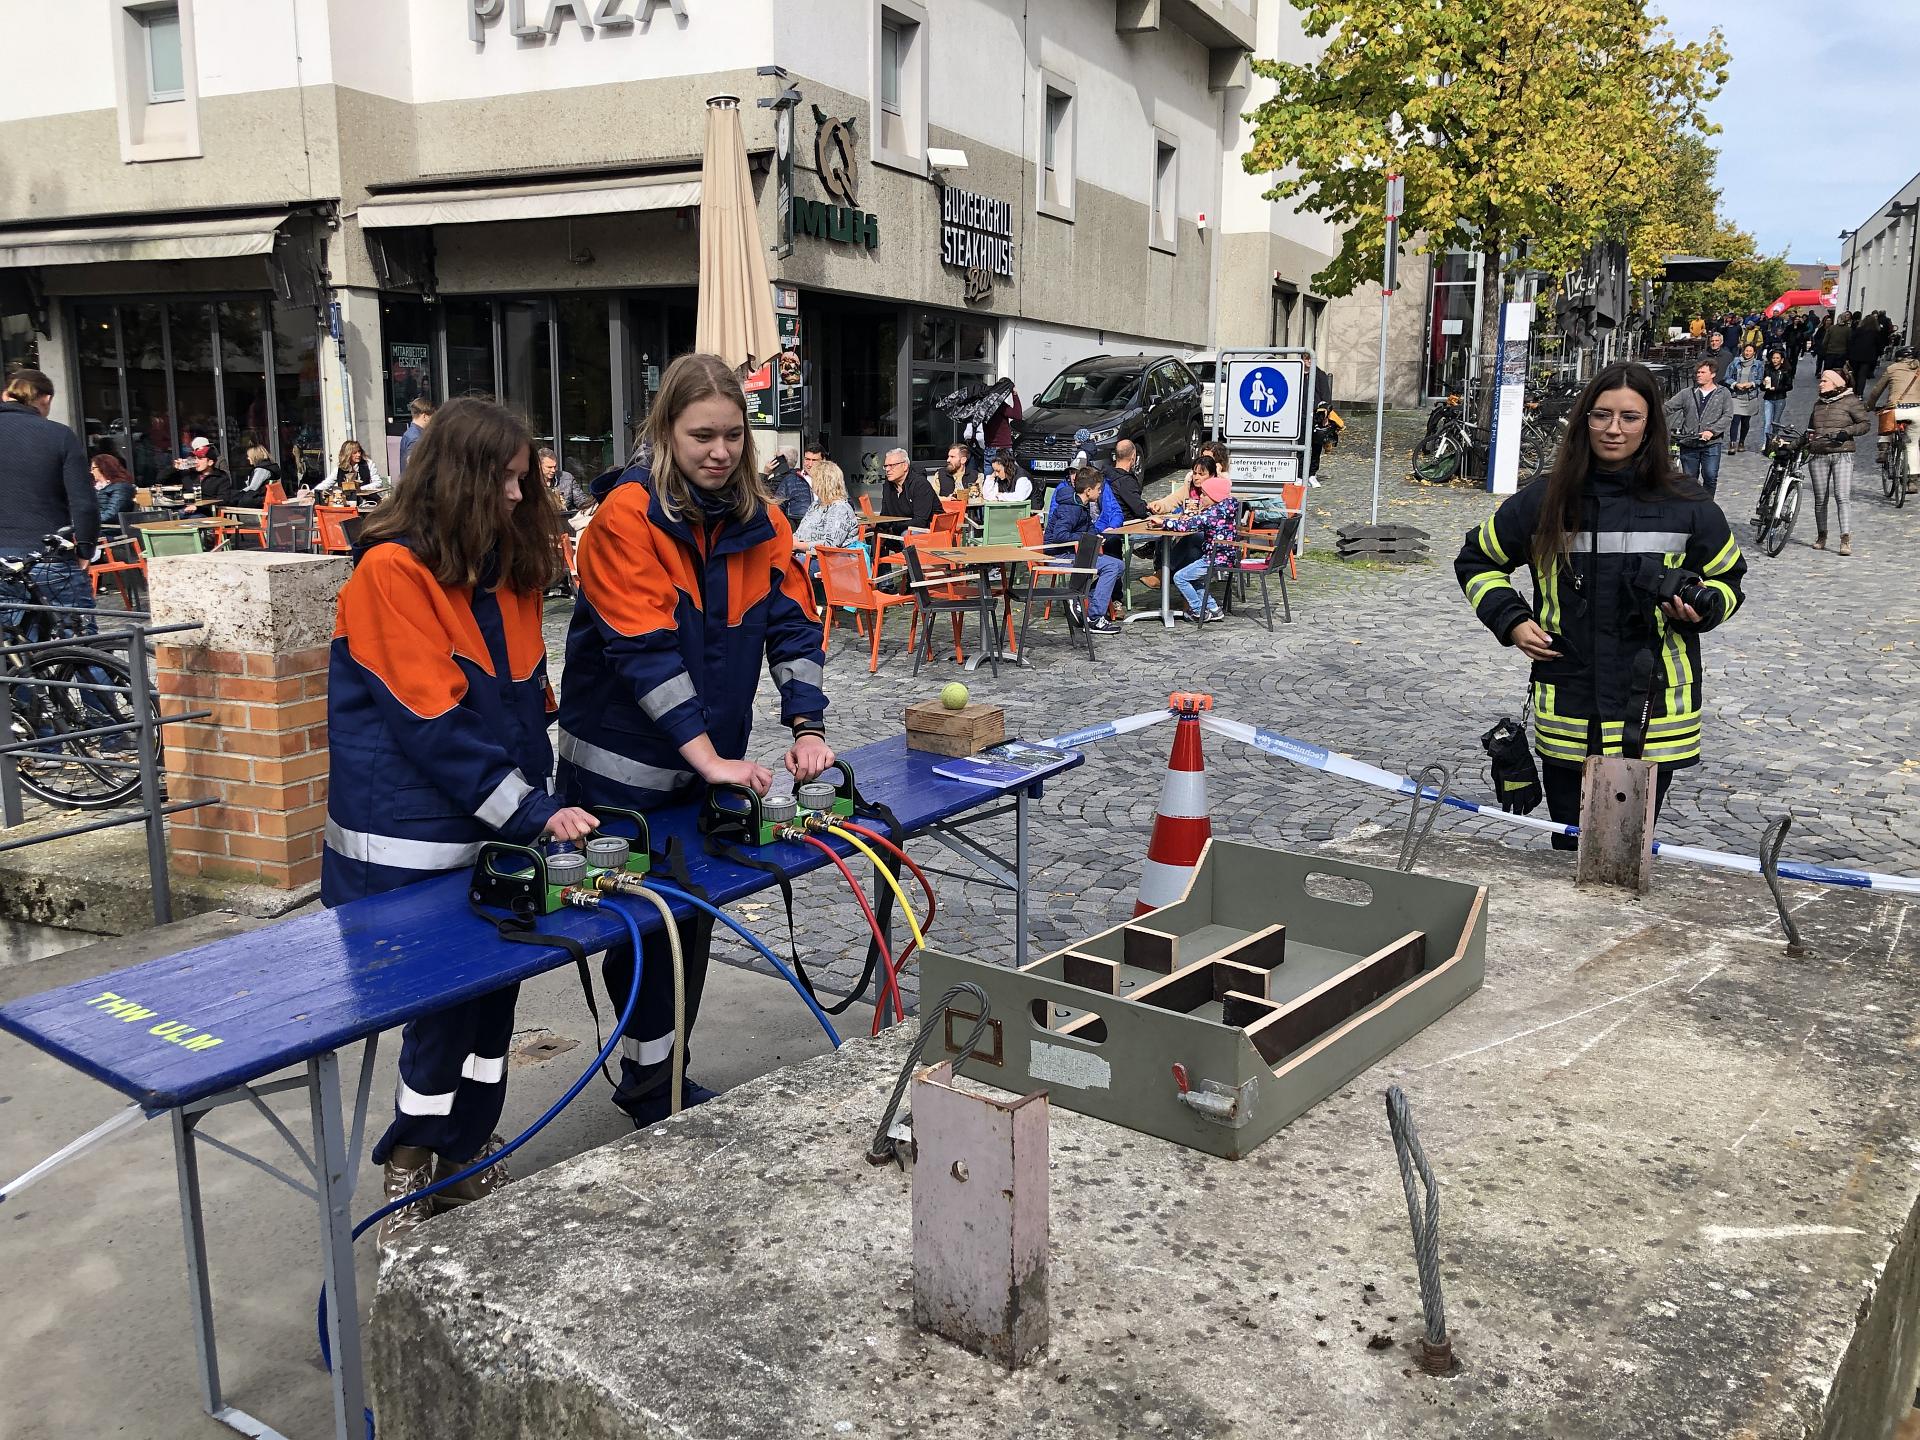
[(1012, 762)]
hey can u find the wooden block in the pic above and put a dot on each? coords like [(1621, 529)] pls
[(1338, 998), (936, 730), (1147, 949), (1262, 950), (1090, 972), (1616, 822)]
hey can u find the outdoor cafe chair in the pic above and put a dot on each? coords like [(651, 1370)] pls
[(944, 592), (290, 528), (120, 559), (847, 586), (1068, 584), (1255, 559), (329, 521)]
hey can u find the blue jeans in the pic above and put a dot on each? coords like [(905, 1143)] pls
[(1769, 409), (1703, 463), (63, 584), (1184, 578), (1107, 568)]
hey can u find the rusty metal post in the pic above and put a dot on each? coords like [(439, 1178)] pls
[(1616, 823), (980, 1218)]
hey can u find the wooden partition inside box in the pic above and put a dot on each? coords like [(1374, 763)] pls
[(1278, 977)]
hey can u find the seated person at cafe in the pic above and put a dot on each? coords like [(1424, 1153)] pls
[(1083, 503), (811, 454), (1123, 478), (906, 493), (788, 487), (353, 468), (112, 488), (831, 521), (216, 485), (1006, 483), (261, 472), (959, 476), (1215, 525)]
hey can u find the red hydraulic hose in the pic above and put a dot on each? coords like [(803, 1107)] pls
[(933, 906), (879, 937)]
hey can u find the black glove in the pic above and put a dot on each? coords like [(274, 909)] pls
[(1516, 781)]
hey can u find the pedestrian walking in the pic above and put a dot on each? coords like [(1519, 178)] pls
[(420, 415), (1863, 351), (1699, 418), (1838, 419), (1743, 386), (1615, 668), (1776, 382), (1899, 389), (437, 723), (1836, 333), (1719, 356)]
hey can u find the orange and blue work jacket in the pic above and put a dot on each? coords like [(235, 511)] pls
[(437, 712), (674, 618)]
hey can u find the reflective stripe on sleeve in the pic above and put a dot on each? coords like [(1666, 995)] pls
[(397, 853), (498, 807)]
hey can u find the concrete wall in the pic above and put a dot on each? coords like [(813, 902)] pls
[(1352, 338)]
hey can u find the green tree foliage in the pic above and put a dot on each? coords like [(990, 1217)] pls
[(1515, 122)]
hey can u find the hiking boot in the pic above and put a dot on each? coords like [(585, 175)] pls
[(476, 1186), (1820, 541), (652, 1109), (409, 1168), (1846, 544)]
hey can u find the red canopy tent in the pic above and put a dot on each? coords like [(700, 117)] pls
[(1799, 297)]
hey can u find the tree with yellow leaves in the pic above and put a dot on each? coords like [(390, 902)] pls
[(1541, 124)]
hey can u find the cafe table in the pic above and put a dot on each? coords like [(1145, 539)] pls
[(983, 560), (1158, 534)]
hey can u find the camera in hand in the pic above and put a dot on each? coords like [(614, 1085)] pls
[(1682, 585)]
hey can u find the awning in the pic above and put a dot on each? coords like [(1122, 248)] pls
[(210, 239), (619, 196)]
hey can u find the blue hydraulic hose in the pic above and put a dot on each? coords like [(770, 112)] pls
[(755, 941), (613, 1040)]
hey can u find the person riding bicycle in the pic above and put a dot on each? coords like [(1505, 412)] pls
[(1616, 668), (1899, 389)]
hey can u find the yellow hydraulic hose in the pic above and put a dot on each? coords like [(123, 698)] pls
[(913, 924)]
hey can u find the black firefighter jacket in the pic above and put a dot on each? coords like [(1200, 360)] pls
[(1601, 620)]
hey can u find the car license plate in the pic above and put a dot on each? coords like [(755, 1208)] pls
[(1049, 464)]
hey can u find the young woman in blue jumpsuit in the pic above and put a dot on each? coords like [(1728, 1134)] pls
[(437, 712), (688, 588)]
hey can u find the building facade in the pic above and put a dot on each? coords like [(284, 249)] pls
[(278, 221), (1878, 266)]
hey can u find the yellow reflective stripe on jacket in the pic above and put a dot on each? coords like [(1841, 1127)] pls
[(1549, 588), (1490, 542), (1728, 557), (1732, 601), (1483, 584)]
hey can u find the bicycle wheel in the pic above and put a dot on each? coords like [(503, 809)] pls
[(1775, 540), (1897, 474), (69, 769), (1436, 459), (1534, 455)]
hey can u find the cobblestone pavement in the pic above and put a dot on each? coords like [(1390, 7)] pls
[(1808, 692)]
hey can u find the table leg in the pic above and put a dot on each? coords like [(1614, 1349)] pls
[(1020, 879), (186, 1162), (336, 1244), (1166, 583)]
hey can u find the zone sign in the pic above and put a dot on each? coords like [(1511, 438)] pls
[(1265, 400)]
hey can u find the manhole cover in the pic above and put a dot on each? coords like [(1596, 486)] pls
[(535, 1047)]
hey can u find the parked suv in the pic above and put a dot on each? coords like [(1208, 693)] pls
[(1152, 400)]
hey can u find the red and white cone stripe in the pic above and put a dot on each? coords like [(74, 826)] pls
[(1181, 826)]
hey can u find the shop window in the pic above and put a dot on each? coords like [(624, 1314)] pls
[(1057, 110), (157, 92), (301, 450), (900, 85), (1163, 209), (526, 365), (101, 409), (933, 336), (869, 368), (19, 345), (143, 347), (406, 334), (196, 391), (243, 380), (586, 385), (470, 369)]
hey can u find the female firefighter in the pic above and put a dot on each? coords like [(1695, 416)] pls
[(437, 707), (1632, 563), (688, 586)]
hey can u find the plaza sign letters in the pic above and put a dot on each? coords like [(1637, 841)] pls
[(549, 16), (976, 234)]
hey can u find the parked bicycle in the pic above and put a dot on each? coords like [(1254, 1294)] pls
[(62, 692), (1894, 475), (1455, 445), (1779, 504)]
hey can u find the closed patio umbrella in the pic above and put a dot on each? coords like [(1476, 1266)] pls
[(735, 319)]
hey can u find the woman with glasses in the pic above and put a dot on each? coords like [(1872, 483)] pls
[(1615, 652)]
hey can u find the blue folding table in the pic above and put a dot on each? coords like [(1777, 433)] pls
[(206, 1028)]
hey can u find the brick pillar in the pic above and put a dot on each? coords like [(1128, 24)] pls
[(259, 662)]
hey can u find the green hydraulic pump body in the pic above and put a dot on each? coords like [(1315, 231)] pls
[(524, 879)]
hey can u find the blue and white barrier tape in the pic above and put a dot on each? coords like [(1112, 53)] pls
[(1315, 757), (1073, 740)]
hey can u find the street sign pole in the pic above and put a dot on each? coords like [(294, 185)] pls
[(1396, 195)]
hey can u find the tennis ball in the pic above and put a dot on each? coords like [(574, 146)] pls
[(954, 697)]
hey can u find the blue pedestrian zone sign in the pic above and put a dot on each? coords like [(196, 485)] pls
[(1263, 401), (1264, 391)]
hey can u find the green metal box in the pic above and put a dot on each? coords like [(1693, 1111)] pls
[(1214, 1021)]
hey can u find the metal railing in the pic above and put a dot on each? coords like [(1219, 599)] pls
[(132, 638)]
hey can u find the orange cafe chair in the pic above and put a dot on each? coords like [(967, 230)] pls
[(844, 578), (330, 521), (119, 559)]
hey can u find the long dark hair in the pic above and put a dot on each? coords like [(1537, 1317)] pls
[(1651, 469), (448, 506)]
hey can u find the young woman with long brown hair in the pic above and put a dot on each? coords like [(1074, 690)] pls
[(688, 589), (437, 709), (1616, 671)]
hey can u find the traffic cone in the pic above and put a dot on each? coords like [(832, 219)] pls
[(1181, 826)]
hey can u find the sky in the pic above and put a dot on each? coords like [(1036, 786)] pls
[(1816, 127)]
